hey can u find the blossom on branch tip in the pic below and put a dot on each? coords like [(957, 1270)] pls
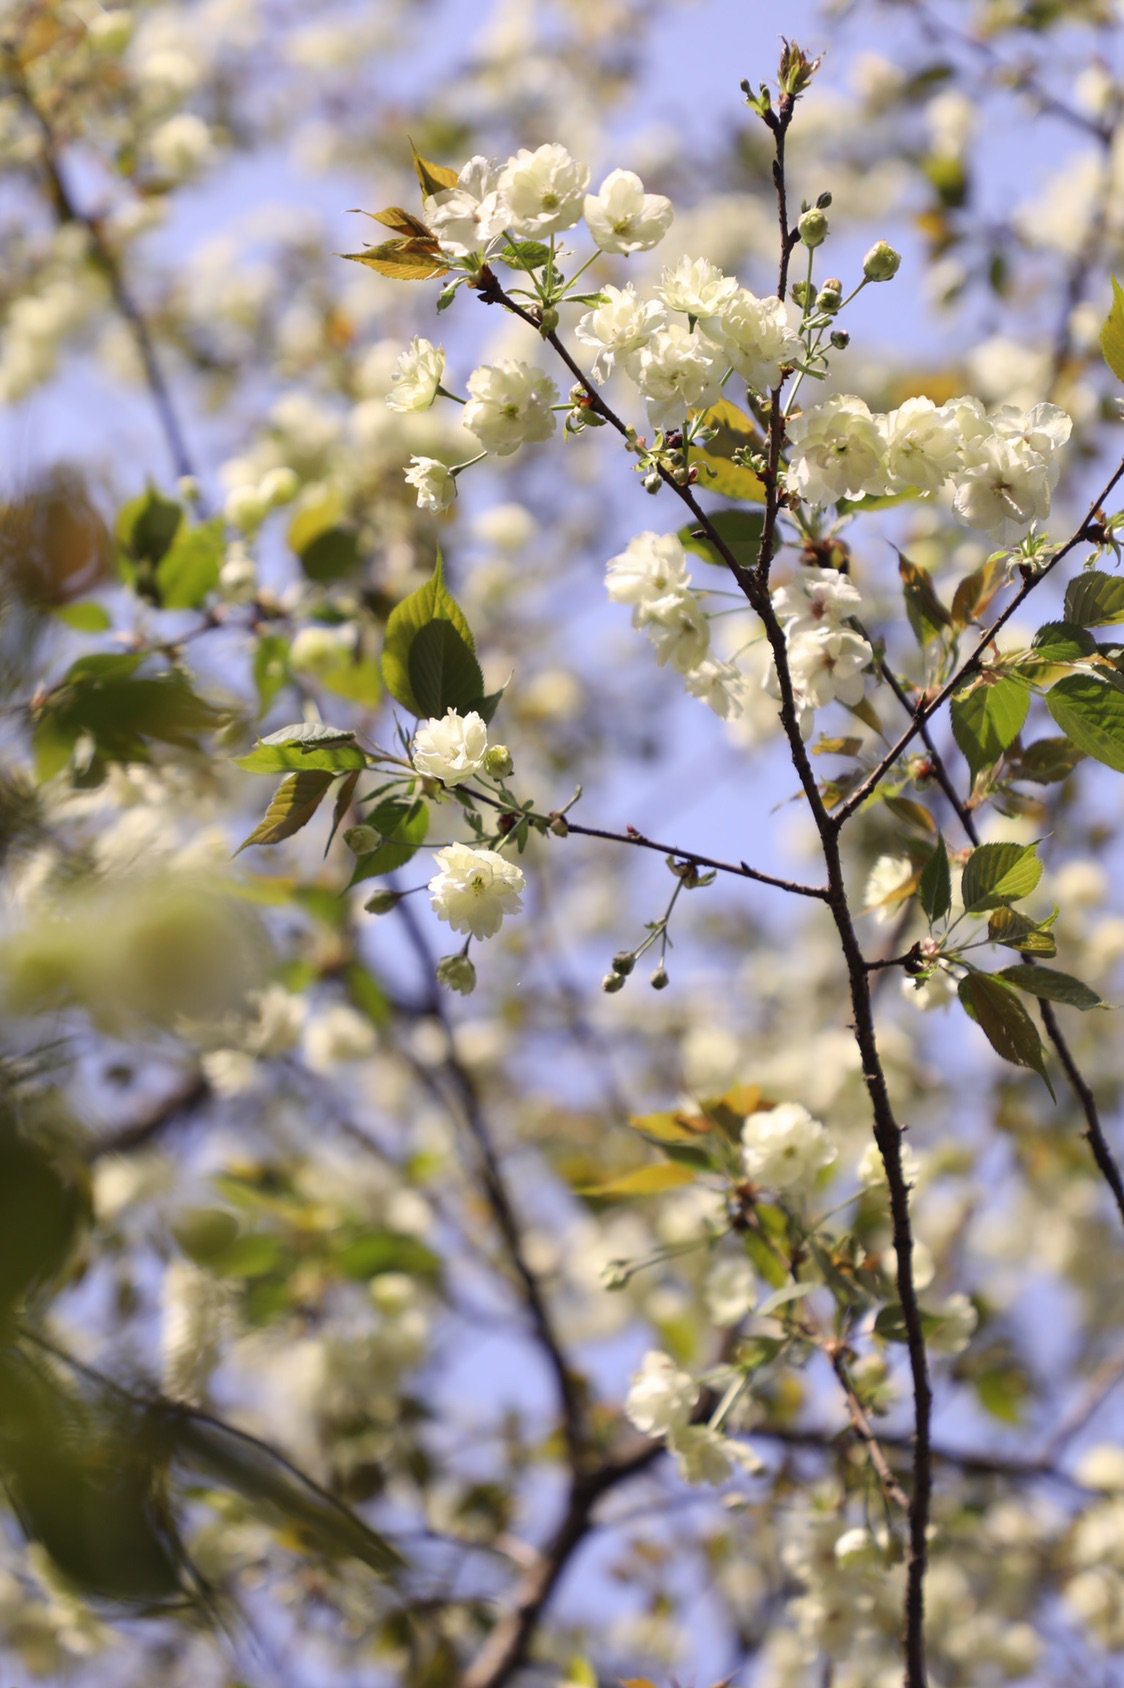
[(433, 481), (661, 1397), (509, 405), (474, 889), (451, 749), (784, 1148), (543, 191), (621, 217), (417, 376)]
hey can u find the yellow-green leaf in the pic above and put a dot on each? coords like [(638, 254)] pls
[(293, 805), (1112, 334), (409, 259), (644, 1181), (432, 178)]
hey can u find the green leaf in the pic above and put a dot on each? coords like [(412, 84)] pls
[(293, 805), (250, 1256), (271, 668), (415, 258), (935, 889), (1112, 334), (1091, 715), (987, 717), (87, 617), (306, 746), (995, 874), (372, 1253), (996, 1009), (525, 254), (317, 513), (1018, 932), (739, 530), (331, 555), (644, 1181), (443, 670), (1053, 986), (428, 604), (1095, 599), (190, 569), (1047, 761), (146, 526), (403, 826), (927, 615)]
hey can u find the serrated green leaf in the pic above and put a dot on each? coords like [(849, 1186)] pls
[(1091, 715), (305, 746), (935, 889), (443, 670), (525, 254), (996, 1009), (995, 874), (987, 717), (147, 526), (428, 604), (331, 555), (1052, 985), (1112, 334), (293, 805), (1047, 761), (1017, 931), (1095, 599)]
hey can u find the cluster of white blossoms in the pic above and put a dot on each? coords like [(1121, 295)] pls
[(661, 1402), (999, 469), (651, 576), (784, 1148), (826, 658), (681, 366)]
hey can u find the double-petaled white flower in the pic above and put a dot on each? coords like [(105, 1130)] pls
[(467, 217), (677, 627), (417, 376), (650, 566), (543, 191), (837, 451), (509, 406), (621, 217), (679, 369), (1004, 489), (698, 287), (660, 1397), (785, 1148), (474, 889), (819, 598), (433, 481), (452, 748), (922, 445), (622, 323), (759, 338)]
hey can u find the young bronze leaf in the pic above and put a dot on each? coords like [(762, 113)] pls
[(294, 803), (401, 221), (432, 178), (411, 259)]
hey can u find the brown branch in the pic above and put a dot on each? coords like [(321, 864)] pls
[(1087, 531), (68, 211), (499, 1199)]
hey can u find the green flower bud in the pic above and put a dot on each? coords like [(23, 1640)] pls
[(612, 983), (497, 761), (881, 262), (382, 902), (457, 973), (803, 294), (812, 228), (624, 962), (361, 840), (831, 294), (548, 320)]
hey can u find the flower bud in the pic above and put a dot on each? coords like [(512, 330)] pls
[(615, 1274), (803, 294), (497, 761), (612, 983), (881, 262), (623, 962), (812, 228), (548, 320), (361, 840), (382, 902), (659, 980), (651, 481), (840, 339), (457, 973), (559, 826), (831, 294)]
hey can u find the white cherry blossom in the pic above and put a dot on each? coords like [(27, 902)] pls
[(784, 1148), (698, 287), (678, 370), (621, 323), (451, 749), (433, 481), (759, 337), (837, 451), (474, 889), (509, 406), (467, 217), (417, 376), (543, 191), (621, 217)]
